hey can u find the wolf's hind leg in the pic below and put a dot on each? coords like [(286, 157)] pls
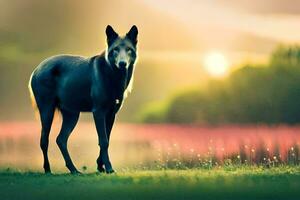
[(69, 121), (46, 114)]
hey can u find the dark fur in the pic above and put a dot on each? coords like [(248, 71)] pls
[(74, 84)]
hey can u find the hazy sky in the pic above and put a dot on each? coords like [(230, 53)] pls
[(174, 38), (188, 29), (169, 29), (277, 20), (236, 26)]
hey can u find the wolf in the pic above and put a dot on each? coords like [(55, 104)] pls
[(75, 84)]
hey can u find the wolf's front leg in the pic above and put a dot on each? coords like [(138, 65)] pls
[(103, 158)]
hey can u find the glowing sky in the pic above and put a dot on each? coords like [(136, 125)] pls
[(242, 29), (198, 15), (169, 29)]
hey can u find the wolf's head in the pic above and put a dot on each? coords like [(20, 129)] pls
[(121, 51)]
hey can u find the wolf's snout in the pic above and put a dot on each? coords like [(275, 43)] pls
[(122, 64)]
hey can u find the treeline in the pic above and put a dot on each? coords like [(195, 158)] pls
[(252, 94)]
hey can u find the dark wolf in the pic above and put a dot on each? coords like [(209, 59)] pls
[(74, 84)]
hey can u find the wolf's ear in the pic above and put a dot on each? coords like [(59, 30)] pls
[(111, 35), (132, 34)]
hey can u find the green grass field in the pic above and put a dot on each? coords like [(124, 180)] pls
[(234, 183)]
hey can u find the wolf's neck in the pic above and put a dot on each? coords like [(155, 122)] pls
[(118, 79)]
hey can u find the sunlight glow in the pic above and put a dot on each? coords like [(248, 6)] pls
[(216, 64)]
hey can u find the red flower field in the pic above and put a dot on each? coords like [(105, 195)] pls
[(140, 144)]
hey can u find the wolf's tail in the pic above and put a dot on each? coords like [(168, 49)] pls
[(33, 101)]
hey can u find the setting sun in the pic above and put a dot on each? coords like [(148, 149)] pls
[(216, 64)]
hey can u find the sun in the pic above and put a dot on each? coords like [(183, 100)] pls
[(216, 64)]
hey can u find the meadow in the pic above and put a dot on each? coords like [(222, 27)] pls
[(218, 183), (155, 162)]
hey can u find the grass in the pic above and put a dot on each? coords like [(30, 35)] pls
[(219, 183)]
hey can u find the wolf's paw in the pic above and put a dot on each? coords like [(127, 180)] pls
[(110, 171), (101, 169), (76, 172), (48, 172)]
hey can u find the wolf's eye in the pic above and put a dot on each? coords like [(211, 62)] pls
[(116, 49), (115, 52), (129, 51)]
